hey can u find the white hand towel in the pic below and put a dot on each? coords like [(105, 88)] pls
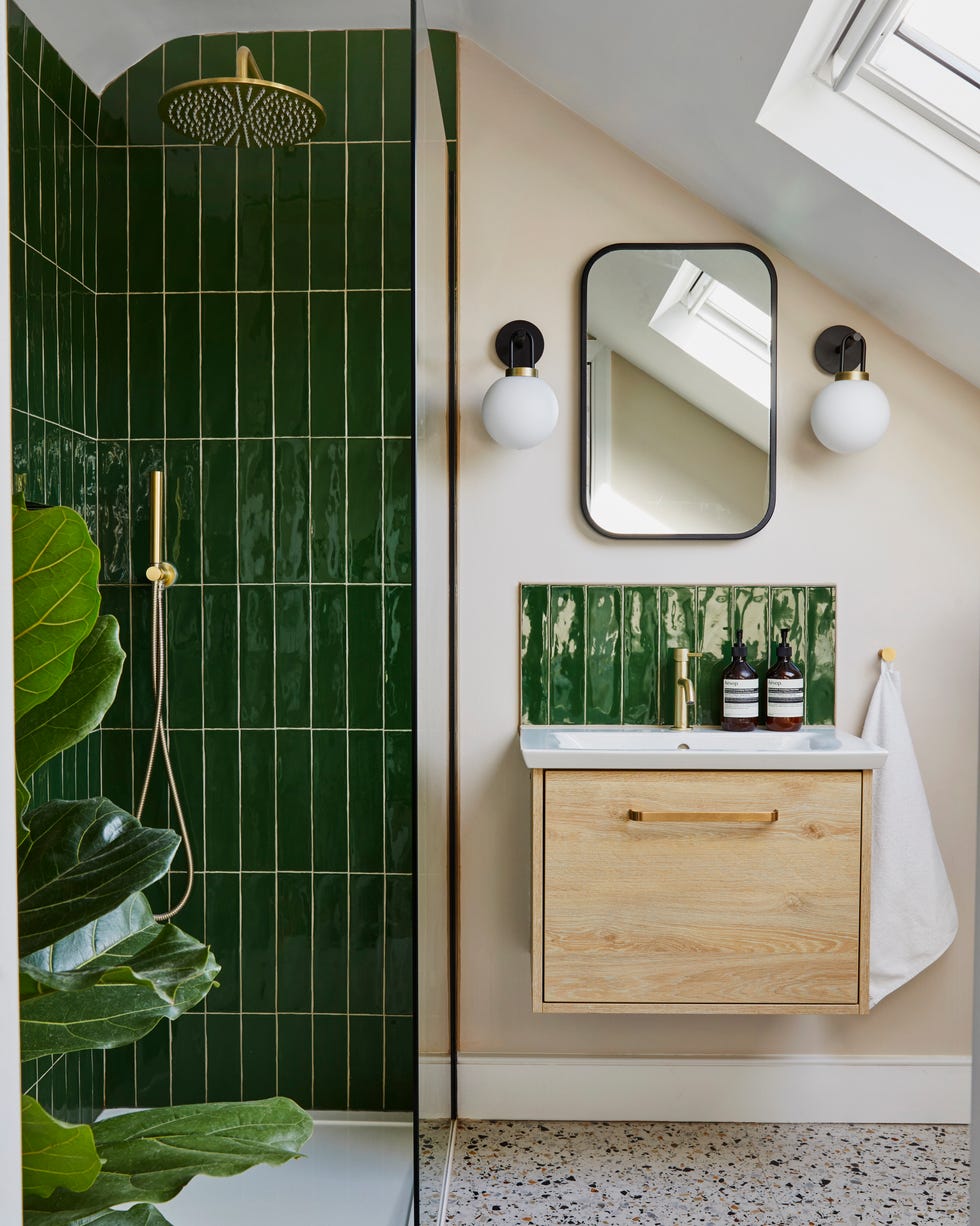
[(913, 914)]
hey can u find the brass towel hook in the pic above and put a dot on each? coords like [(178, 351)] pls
[(888, 654)]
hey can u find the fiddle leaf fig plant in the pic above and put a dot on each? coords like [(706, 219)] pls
[(96, 969)]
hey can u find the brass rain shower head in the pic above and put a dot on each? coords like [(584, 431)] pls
[(242, 110)]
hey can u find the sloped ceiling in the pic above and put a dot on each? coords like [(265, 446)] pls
[(678, 83)]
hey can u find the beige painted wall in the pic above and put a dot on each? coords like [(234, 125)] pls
[(897, 529)]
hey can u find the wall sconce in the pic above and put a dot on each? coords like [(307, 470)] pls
[(852, 413), (520, 410)]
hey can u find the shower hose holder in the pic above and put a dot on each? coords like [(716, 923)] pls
[(158, 571)]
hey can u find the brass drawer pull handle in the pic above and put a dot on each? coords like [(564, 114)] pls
[(635, 815)]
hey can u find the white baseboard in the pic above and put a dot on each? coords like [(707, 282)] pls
[(768, 1089), (435, 1087)]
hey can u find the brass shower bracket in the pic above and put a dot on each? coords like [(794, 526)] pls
[(158, 571)]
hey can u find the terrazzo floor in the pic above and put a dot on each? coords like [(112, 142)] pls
[(708, 1174)]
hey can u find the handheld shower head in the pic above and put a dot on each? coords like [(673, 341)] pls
[(242, 110)]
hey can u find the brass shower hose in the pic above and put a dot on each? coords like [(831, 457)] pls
[(161, 736)]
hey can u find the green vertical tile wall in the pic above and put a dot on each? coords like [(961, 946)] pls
[(600, 654), (243, 320), (53, 365)]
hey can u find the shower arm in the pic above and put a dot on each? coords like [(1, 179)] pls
[(158, 571)]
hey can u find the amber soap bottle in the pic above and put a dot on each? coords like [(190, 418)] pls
[(739, 692), (784, 691)]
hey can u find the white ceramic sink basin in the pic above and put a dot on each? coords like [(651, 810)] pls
[(636, 748)]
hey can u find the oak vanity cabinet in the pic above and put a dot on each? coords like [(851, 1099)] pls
[(679, 891)]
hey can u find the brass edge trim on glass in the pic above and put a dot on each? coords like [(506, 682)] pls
[(531, 371), (851, 374), (636, 815)]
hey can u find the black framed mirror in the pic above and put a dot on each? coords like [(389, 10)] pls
[(678, 390)]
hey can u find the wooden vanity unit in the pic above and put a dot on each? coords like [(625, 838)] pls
[(701, 891)]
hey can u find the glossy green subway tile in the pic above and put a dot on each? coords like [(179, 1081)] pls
[(678, 628), (364, 85), (364, 509), (291, 384), (181, 63), (397, 85), (294, 921), (258, 791), (144, 86), (146, 220), (117, 766), (787, 608), (398, 216), (222, 781), (224, 1058), (292, 656), (291, 58), (714, 640), (821, 660), (91, 366), (220, 657), (399, 1083), (330, 801), (62, 190), (292, 516), (330, 943), (18, 323), (75, 205), (187, 1067), (366, 942), (399, 791), (330, 1062), (219, 351), (255, 510), (111, 254), (294, 800), (183, 509), (327, 220), (398, 536), (219, 209), (120, 1077), (603, 655), (328, 81), (35, 336), (146, 365), (398, 944), (291, 218), (295, 1059), (328, 509), (182, 368), (259, 938), (255, 194), (364, 224), (49, 324), (567, 672), (222, 932), (641, 656), (365, 1056), (16, 26), (20, 423), (153, 1068), (219, 511), (535, 653), (15, 94), (113, 535), (399, 640), (45, 169), (33, 48), (327, 364), (397, 372), (256, 664), (750, 613), (31, 118), (364, 364), (52, 464), (182, 177), (66, 413), (444, 49), (218, 53), (185, 633), (329, 642), (366, 801), (258, 1055), (254, 365)]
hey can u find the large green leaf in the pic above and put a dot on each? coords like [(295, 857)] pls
[(55, 1155), (81, 859), (150, 1155), (76, 708), (114, 997), (56, 599), (138, 1215)]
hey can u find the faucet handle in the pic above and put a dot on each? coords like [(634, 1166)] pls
[(684, 653)]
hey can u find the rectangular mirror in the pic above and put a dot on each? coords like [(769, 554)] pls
[(678, 390)]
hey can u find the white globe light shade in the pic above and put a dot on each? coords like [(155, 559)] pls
[(520, 411), (850, 415)]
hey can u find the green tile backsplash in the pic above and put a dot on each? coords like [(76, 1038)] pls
[(600, 654), (243, 320)]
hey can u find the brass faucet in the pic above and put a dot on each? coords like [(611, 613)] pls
[(683, 686)]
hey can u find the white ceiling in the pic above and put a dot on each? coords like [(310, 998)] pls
[(678, 83)]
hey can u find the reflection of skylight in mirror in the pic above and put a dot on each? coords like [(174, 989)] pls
[(719, 328), (951, 24)]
